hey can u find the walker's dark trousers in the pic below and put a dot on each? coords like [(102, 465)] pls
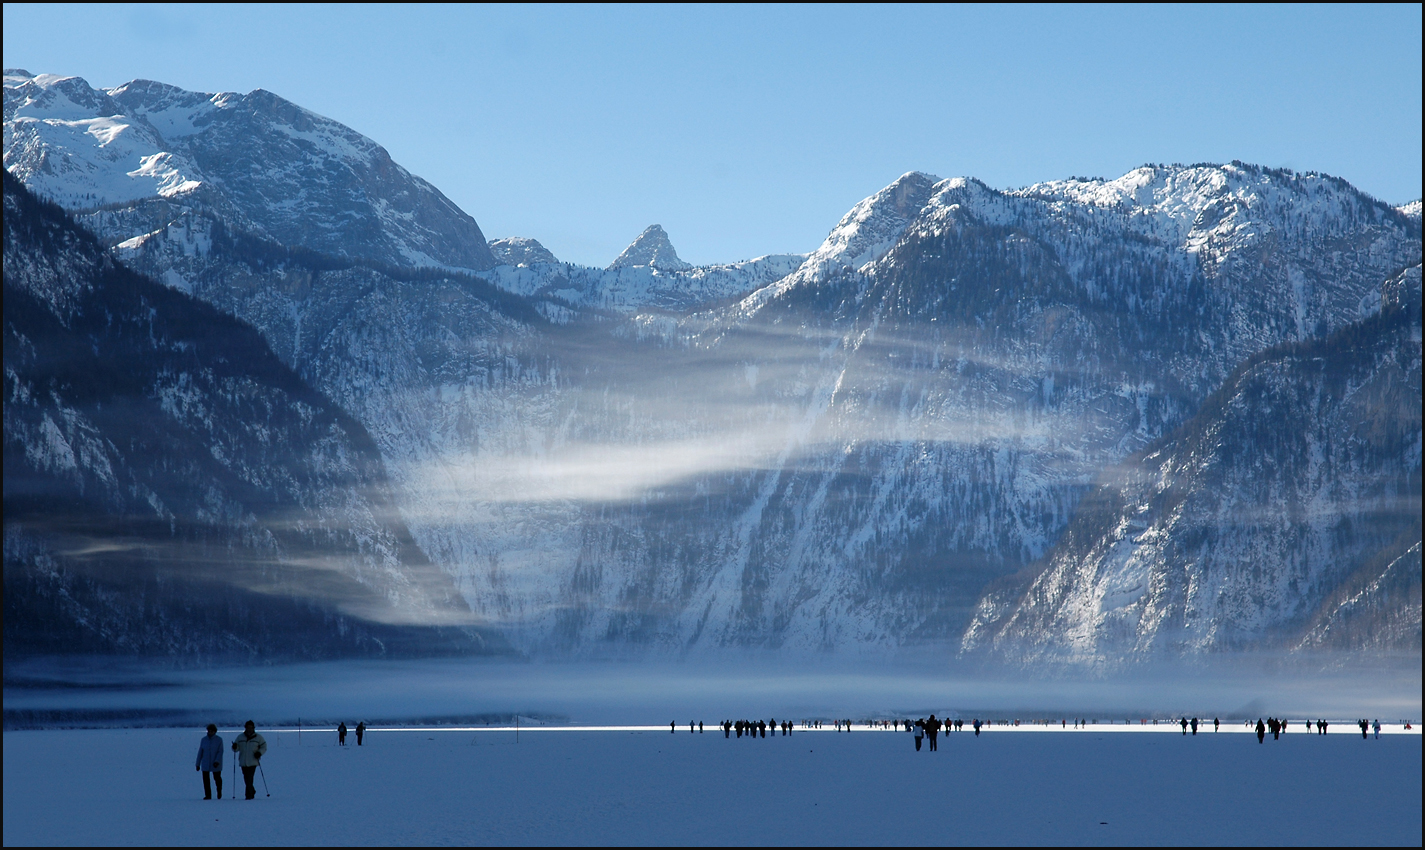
[(933, 736), (207, 788), (247, 774)]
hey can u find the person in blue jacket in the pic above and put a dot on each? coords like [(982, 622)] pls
[(210, 761)]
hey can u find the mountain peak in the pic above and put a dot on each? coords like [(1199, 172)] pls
[(51, 96), (520, 251), (872, 226), (651, 248)]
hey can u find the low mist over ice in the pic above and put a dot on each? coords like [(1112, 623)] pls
[(621, 693)]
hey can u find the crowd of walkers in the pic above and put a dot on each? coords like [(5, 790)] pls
[(755, 728), (926, 731), (1278, 727), (926, 727), (249, 746)]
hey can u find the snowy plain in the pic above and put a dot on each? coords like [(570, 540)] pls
[(647, 786)]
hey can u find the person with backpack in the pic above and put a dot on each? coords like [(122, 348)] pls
[(250, 748), (360, 731), (210, 761)]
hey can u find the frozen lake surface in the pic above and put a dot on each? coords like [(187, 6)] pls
[(647, 786)]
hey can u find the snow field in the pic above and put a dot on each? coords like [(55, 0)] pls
[(647, 786)]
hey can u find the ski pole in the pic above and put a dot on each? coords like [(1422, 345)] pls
[(264, 777), (232, 792)]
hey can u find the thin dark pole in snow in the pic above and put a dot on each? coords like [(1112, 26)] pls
[(517, 728)]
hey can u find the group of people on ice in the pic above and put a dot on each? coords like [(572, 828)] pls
[(1277, 727), (930, 727), (1194, 723), (755, 728), (248, 748)]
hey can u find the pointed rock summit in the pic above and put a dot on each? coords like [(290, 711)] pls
[(651, 248)]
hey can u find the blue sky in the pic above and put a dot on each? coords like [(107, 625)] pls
[(751, 130)]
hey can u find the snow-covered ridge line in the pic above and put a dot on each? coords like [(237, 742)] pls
[(320, 185), (1203, 211), (632, 289)]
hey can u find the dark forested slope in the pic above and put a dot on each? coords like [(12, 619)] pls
[(172, 489)]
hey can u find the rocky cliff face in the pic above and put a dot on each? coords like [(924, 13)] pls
[(1284, 514), (172, 489)]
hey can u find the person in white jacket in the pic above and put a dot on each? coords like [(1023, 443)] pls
[(210, 761), (249, 746)]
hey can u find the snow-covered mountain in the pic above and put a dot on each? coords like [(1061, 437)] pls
[(1285, 513), (838, 451), (264, 165), (172, 489), (918, 409), (137, 158), (998, 352)]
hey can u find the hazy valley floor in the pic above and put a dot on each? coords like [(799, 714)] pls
[(79, 787)]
